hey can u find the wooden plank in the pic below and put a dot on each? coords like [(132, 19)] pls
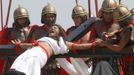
[(82, 29)]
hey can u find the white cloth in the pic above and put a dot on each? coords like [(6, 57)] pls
[(31, 61), (77, 66), (80, 66), (67, 66), (60, 48)]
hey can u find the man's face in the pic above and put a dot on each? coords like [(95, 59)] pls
[(54, 31), (22, 21), (77, 20), (49, 18), (108, 17)]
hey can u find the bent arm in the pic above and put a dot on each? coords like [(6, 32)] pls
[(125, 37), (22, 45), (117, 47)]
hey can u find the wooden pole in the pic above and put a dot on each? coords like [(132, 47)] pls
[(8, 12), (96, 5), (1, 9), (89, 8)]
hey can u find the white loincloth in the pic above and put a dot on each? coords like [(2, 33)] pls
[(67, 66), (31, 61), (80, 66), (77, 66)]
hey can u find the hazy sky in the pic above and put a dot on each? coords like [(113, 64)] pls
[(63, 8)]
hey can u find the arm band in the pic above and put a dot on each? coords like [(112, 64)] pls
[(72, 46), (35, 43)]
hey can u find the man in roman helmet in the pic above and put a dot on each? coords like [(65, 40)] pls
[(107, 23), (21, 31), (79, 16), (125, 19), (78, 13), (48, 19), (104, 29)]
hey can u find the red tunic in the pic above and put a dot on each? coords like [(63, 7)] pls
[(6, 37), (3, 40), (128, 59)]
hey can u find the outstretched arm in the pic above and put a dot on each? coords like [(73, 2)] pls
[(26, 45), (73, 46), (22, 45)]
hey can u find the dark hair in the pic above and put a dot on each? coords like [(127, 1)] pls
[(69, 30), (62, 31)]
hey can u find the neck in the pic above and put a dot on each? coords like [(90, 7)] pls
[(54, 37)]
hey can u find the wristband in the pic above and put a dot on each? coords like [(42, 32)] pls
[(35, 43), (72, 46)]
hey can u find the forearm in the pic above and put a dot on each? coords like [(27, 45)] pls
[(81, 46), (115, 48), (26, 45)]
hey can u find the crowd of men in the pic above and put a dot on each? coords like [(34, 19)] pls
[(114, 30)]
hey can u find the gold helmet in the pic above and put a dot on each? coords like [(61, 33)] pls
[(109, 5), (49, 9), (121, 13), (20, 12), (78, 11), (132, 11)]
